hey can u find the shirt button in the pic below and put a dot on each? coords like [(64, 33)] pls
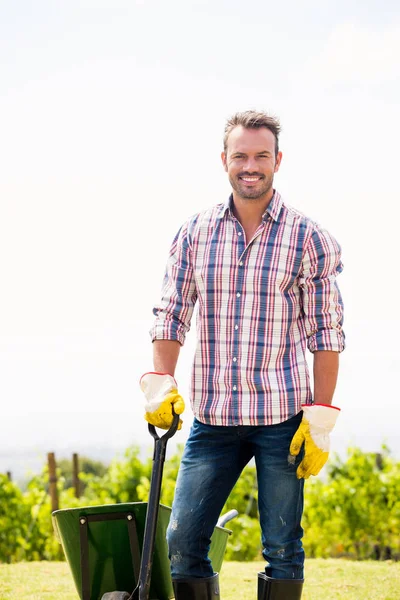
[(239, 233), (241, 263), (234, 388), (238, 295), (234, 359), (236, 326)]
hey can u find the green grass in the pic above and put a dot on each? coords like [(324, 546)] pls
[(325, 580)]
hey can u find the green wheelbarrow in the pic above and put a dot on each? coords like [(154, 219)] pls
[(123, 546)]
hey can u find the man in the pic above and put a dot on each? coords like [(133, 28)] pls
[(264, 277)]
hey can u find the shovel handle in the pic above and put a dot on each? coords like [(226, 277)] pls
[(171, 431), (160, 445)]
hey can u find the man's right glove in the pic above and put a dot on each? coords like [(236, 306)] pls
[(161, 393), (317, 423)]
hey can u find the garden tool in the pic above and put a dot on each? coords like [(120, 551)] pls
[(141, 592)]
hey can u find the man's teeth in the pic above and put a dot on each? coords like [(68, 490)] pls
[(250, 178)]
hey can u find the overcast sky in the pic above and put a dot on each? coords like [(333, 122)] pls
[(111, 123)]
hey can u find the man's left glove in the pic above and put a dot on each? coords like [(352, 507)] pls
[(161, 393), (317, 423)]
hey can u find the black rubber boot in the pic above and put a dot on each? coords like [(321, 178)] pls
[(200, 588), (279, 589)]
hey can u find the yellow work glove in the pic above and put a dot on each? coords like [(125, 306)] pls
[(161, 393), (317, 423)]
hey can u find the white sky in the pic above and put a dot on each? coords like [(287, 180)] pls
[(111, 122)]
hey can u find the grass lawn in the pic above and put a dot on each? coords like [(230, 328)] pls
[(325, 580)]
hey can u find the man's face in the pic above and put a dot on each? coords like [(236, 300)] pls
[(250, 161)]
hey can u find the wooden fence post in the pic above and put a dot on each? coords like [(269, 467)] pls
[(379, 461), (52, 481), (75, 475)]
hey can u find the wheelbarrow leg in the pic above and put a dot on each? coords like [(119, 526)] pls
[(200, 588)]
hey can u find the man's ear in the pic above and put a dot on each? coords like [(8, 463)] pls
[(278, 162), (223, 158)]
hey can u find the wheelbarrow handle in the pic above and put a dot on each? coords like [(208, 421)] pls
[(171, 431)]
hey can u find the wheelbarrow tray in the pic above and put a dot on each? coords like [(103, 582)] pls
[(101, 550)]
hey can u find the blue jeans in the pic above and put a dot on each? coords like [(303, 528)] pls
[(212, 461)]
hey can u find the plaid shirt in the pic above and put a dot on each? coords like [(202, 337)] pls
[(259, 306)]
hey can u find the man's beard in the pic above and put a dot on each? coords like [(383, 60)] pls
[(249, 192)]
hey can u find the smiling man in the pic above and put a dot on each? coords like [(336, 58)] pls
[(252, 161), (264, 277)]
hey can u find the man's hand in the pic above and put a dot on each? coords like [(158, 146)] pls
[(318, 421), (160, 390)]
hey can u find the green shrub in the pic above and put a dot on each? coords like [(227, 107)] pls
[(14, 519), (354, 512)]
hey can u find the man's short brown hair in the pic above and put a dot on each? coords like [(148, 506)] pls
[(251, 119)]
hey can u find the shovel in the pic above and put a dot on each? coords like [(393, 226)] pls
[(141, 592)]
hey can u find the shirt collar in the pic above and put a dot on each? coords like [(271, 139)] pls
[(273, 209)]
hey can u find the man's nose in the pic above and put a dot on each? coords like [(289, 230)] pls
[(250, 164)]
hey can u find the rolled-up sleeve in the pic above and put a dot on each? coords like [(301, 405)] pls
[(321, 298), (178, 296)]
